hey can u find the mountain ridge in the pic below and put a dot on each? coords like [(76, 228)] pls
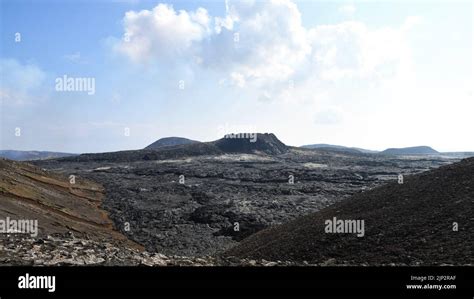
[(32, 155), (412, 150), (338, 147)]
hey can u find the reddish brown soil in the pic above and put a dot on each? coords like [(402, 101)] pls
[(28, 192)]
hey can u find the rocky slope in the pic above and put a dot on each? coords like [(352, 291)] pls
[(68, 250), (58, 203), (427, 220)]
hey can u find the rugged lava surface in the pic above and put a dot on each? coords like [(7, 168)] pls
[(409, 223), (198, 199)]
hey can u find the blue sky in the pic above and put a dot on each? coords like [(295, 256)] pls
[(359, 73)]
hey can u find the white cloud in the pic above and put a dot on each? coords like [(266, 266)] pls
[(273, 46), (272, 41), (162, 32), (351, 50), (220, 23)]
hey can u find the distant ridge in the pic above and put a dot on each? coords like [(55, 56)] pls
[(170, 141), (339, 148), (415, 150), (32, 155)]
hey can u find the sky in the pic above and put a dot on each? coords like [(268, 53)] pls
[(356, 73)]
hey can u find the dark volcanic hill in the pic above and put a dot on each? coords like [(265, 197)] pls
[(170, 141), (410, 223), (266, 143), (31, 155), (415, 150)]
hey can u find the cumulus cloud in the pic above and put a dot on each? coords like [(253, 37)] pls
[(272, 41), (19, 82), (162, 33), (264, 45), (351, 50)]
